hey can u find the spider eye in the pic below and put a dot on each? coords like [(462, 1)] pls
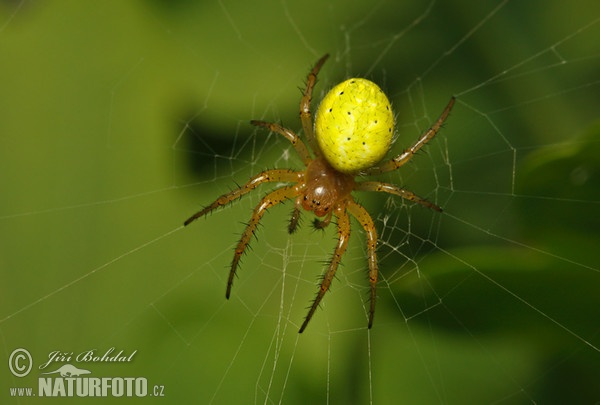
[(319, 200)]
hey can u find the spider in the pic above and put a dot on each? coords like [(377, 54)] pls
[(353, 131)]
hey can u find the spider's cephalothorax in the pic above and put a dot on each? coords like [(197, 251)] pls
[(353, 132), (324, 187)]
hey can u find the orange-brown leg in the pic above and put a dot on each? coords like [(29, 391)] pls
[(361, 214), (294, 220), (395, 190), (305, 115), (271, 199), (276, 175), (290, 136), (405, 156), (343, 224)]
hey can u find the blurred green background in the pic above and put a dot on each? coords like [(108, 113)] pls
[(118, 120)]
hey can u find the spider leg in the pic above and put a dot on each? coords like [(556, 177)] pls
[(405, 156), (294, 219), (276, 175), (290, 136), (343, 224), (321, 224), (361, 214), (305, 116), (271, 199), (395, 190)]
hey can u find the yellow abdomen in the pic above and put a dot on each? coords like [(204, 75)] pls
[(354, 125)]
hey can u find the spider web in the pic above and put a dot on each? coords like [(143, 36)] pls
[(112, 137)]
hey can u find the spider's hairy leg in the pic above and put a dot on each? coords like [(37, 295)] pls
[(271, 199), (361, 214), (395, 190), (290, 136), (321, 224), (343, 223), (276, 175), (305, 116), (405, 156), (294, 220)]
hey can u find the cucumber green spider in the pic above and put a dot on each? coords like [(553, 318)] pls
[(353, 131)]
